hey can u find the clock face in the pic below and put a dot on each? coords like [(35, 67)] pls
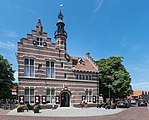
[(67, 57)]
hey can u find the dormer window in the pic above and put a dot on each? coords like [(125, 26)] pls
[(81, 61)]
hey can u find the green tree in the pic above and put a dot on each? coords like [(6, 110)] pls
[(114, 78), (6, 78)]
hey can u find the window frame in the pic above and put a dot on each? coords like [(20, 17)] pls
[(40, 41), (29, 67), (50, 95), (28, 97), (50, 75), (88, 95)]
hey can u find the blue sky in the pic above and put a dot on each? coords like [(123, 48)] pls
[(102, 27)]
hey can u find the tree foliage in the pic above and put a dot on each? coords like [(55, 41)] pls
[(114, 77), (6, 78)]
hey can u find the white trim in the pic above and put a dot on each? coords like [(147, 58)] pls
[(29, 67)]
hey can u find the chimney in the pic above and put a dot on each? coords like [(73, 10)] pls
[(88, 55)]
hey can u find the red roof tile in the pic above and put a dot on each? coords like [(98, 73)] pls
[(86, 65), (137, 93)]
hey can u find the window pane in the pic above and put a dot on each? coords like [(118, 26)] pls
[(31, 91), (48, 99), (90, 92), (48, 72), (26, 92), (52, 73), (52, 64), (83, 77), (77, 76), (32, 71), (26, 99), (31, 62), (48, 91), (86, 92), (37, 41), (32, 99), (52, 99), (86, 77), (52, 91), (90, 98), (40, 40), (26, 71), (90, 77), (62, 65), (80, 77), (65, 75), (47, 63), (26, 61)]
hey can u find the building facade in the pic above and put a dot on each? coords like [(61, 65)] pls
[(140, 94), (47, 74)]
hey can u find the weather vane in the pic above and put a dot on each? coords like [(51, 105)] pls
[(61, 5)]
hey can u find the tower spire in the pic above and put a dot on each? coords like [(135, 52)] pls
[(60, 25), (60, 34)]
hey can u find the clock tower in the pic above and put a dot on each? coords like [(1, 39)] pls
[(60, 34)]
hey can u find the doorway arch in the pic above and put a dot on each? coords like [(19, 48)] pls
[(65, 99)]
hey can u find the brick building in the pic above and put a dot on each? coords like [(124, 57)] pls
[(49, 75), (140, 94)]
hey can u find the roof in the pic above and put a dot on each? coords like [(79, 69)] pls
[(84, 64), (137, 93)]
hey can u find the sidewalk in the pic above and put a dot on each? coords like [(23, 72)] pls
[(68, 112)]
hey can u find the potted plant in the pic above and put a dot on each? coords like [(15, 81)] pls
[(36, 108), (20, 108)]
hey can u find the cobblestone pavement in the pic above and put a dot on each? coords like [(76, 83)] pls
[(134, 113), (68, 112)]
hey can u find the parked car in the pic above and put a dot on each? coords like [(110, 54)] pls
[(142, 102), (133, 102), (123, 103)]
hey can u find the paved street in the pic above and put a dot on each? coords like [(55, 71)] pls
[(134, 113)]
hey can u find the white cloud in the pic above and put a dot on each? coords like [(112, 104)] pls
[(96, 9), (7, 45), (99, 3), (32, 11), (9, 33), (140, 86)]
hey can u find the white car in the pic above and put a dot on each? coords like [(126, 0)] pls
[(133, 101)]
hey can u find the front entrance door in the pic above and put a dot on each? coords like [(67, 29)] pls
[(65, 99)]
